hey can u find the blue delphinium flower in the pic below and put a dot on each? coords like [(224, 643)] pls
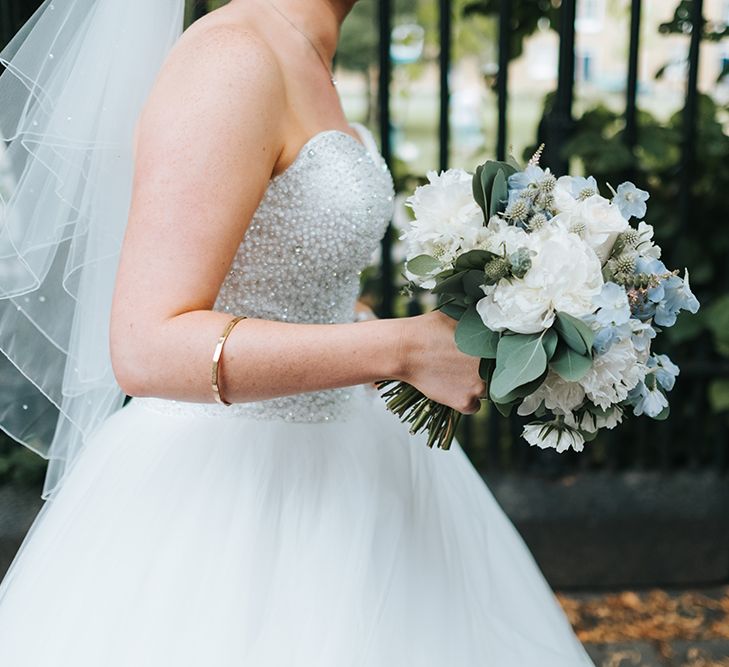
[(631, 201), (650, 401), (665, 370), (647, 307), (649, 265), (613, 305), (580, 186), (513, 196), (677, 296), (606, 336), (642, 333), (532, 175)]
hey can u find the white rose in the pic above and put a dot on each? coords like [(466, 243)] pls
[(596, 220), (565, 275)]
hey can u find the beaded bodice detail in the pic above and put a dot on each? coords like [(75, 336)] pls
[(316, 228)]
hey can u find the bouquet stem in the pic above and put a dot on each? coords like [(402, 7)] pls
[(414, 407)]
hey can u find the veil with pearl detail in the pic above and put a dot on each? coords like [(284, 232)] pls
[(76, 77)]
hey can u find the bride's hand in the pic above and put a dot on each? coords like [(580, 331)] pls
[(433, 364)]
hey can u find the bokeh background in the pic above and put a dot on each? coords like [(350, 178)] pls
[(633, 532)]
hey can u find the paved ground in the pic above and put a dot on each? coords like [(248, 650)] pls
[(653, 628)]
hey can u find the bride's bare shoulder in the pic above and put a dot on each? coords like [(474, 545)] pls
[(225, 38), (222, 54)]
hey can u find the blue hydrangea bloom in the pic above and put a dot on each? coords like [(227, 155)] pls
[(631, 201), (613, 305)]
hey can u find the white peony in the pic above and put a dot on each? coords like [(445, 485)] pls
[(613, 374), (447, 218), (596, 220), (559, 396), (565, 275), (548, 435)]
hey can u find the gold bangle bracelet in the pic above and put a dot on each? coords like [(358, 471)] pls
[(216, 357)]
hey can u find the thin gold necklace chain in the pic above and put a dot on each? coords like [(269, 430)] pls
[(308, 39)]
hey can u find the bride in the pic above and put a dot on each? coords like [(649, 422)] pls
[(254, 503)]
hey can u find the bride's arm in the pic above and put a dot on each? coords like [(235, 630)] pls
[(209, 138)]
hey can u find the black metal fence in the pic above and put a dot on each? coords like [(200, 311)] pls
[(694, 436)]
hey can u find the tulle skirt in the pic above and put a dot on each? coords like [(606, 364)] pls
[(190, 540)]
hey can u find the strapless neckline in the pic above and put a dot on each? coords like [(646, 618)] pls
[(309, 143)]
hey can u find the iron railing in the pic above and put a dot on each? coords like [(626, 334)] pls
[(694, 436)]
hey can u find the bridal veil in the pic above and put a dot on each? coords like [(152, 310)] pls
[(76, 77)]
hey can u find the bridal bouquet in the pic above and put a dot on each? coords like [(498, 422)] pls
[(554, 289)]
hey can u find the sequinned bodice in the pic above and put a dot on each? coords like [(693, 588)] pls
[(316, 228)]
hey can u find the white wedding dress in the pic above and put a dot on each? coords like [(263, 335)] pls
[(306, 531)]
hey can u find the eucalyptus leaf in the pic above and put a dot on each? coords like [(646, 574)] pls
[(486, 369), (472, 281), (524, 390), (568, 364), (550, 342), (499, 193), (488, 174), (423, 265), (478, 190), (574, 332), (452, 284), (520, 359), (454, 311), (473, 259), (474, 338)]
